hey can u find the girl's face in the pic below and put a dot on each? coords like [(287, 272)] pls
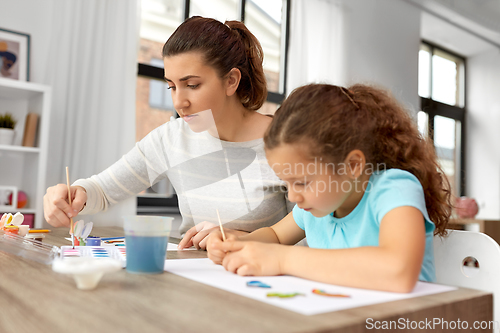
[(312, 184), (198, 92)]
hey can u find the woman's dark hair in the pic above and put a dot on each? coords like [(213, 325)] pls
[(333, 121), (224, 47)]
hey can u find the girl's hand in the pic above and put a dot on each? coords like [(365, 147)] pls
[(56, 208), (213, 243), (252, 258)]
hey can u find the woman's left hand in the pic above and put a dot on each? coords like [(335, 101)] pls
[(197, 236), (253, 258)]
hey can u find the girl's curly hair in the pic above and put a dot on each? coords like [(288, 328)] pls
[(333, 121)]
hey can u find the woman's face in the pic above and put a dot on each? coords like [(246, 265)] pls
[(198, 93)]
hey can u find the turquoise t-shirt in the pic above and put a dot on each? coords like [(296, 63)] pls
[(387, 190)]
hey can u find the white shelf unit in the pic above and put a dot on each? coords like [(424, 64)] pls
[(26, 167)]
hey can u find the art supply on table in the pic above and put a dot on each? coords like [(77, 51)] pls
[(206, 272), (284, 295), (87, 229), (5, 220), (27, 247), (12, 224), (11, 220), (324, 293), (11, 229), (78, 228), (36, 236), (23, 229), (69, 200), (87, 271), (17, 219), (34, 231), (116, 241), (112, 238), (93, 241), (31, 247), (81, 231), (257, 284), (221, 228), (146, 237), (107, 251), (86, 264)]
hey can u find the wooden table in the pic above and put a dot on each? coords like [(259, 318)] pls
[(33, 298)]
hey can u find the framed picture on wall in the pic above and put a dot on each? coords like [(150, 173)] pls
[(14, 55), (8, 198)]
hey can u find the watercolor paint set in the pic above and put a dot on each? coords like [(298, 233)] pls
[(106, 251), (28, 248), (44, 253)]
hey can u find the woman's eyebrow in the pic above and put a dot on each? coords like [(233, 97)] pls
[(185, 78)]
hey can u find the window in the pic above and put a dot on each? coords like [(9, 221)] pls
[(159, 19), (266, 19), (441, 83), (219, 10), (159, 94)]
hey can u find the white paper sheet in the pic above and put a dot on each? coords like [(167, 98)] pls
[(173, 247), (205, 271)]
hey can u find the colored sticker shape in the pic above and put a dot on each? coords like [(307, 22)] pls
[(324, 293), (257, 284), (284, 295)]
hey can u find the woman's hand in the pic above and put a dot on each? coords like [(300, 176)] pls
[(197, 236), (249, 258), (56, 208)]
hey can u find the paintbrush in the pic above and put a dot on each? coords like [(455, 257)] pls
[(221, 229), (71, 219)]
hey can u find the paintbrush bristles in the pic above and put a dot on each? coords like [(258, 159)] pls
[(221, 228)]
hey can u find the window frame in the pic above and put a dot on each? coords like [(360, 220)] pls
[(434, 108), (152, 72)]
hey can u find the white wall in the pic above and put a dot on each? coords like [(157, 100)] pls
[(382, 42), (35, 17), (356, 41), (30, 17), (483, 134)]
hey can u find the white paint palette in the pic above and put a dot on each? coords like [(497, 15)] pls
[(113, 252)]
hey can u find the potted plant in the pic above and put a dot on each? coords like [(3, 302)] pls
[(7, 124)]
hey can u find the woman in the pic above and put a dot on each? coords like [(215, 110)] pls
[(213, 154)]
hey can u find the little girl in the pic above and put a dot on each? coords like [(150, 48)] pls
[(370, 194)]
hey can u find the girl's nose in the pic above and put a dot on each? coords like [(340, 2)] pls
[(294, 196)]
